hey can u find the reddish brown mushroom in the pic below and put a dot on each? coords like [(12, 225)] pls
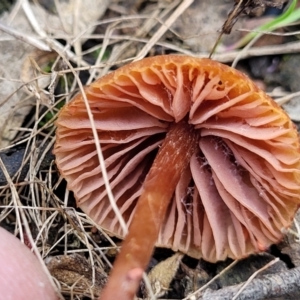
[(222, 158)]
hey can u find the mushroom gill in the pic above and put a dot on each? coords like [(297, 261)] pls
[(241, 184)]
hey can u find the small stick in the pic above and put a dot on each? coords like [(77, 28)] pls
[(269, 286), (254, 275)]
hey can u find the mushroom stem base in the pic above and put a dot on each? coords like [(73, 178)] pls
[(158, 189)]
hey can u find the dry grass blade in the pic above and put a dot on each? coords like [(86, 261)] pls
[(198, 292), (22, 222), (180, 9), (253, 276), (25, 38), (267, 287)]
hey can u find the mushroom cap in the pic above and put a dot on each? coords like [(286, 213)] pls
[(242, 186)]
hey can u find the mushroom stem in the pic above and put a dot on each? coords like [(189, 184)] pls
[(158, 189)]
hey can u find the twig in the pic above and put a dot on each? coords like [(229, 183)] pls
[(298, 230), (287, 98), (275, 285), (192, 296), (254, 275), (292, 47)]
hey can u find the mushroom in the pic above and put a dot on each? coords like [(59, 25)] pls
[(199, 160)]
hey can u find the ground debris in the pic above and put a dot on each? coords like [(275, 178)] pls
[(162, 274), (75, 272), (285, 284)]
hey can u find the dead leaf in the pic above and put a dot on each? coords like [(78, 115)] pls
[(75, 271), (162, 274)]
